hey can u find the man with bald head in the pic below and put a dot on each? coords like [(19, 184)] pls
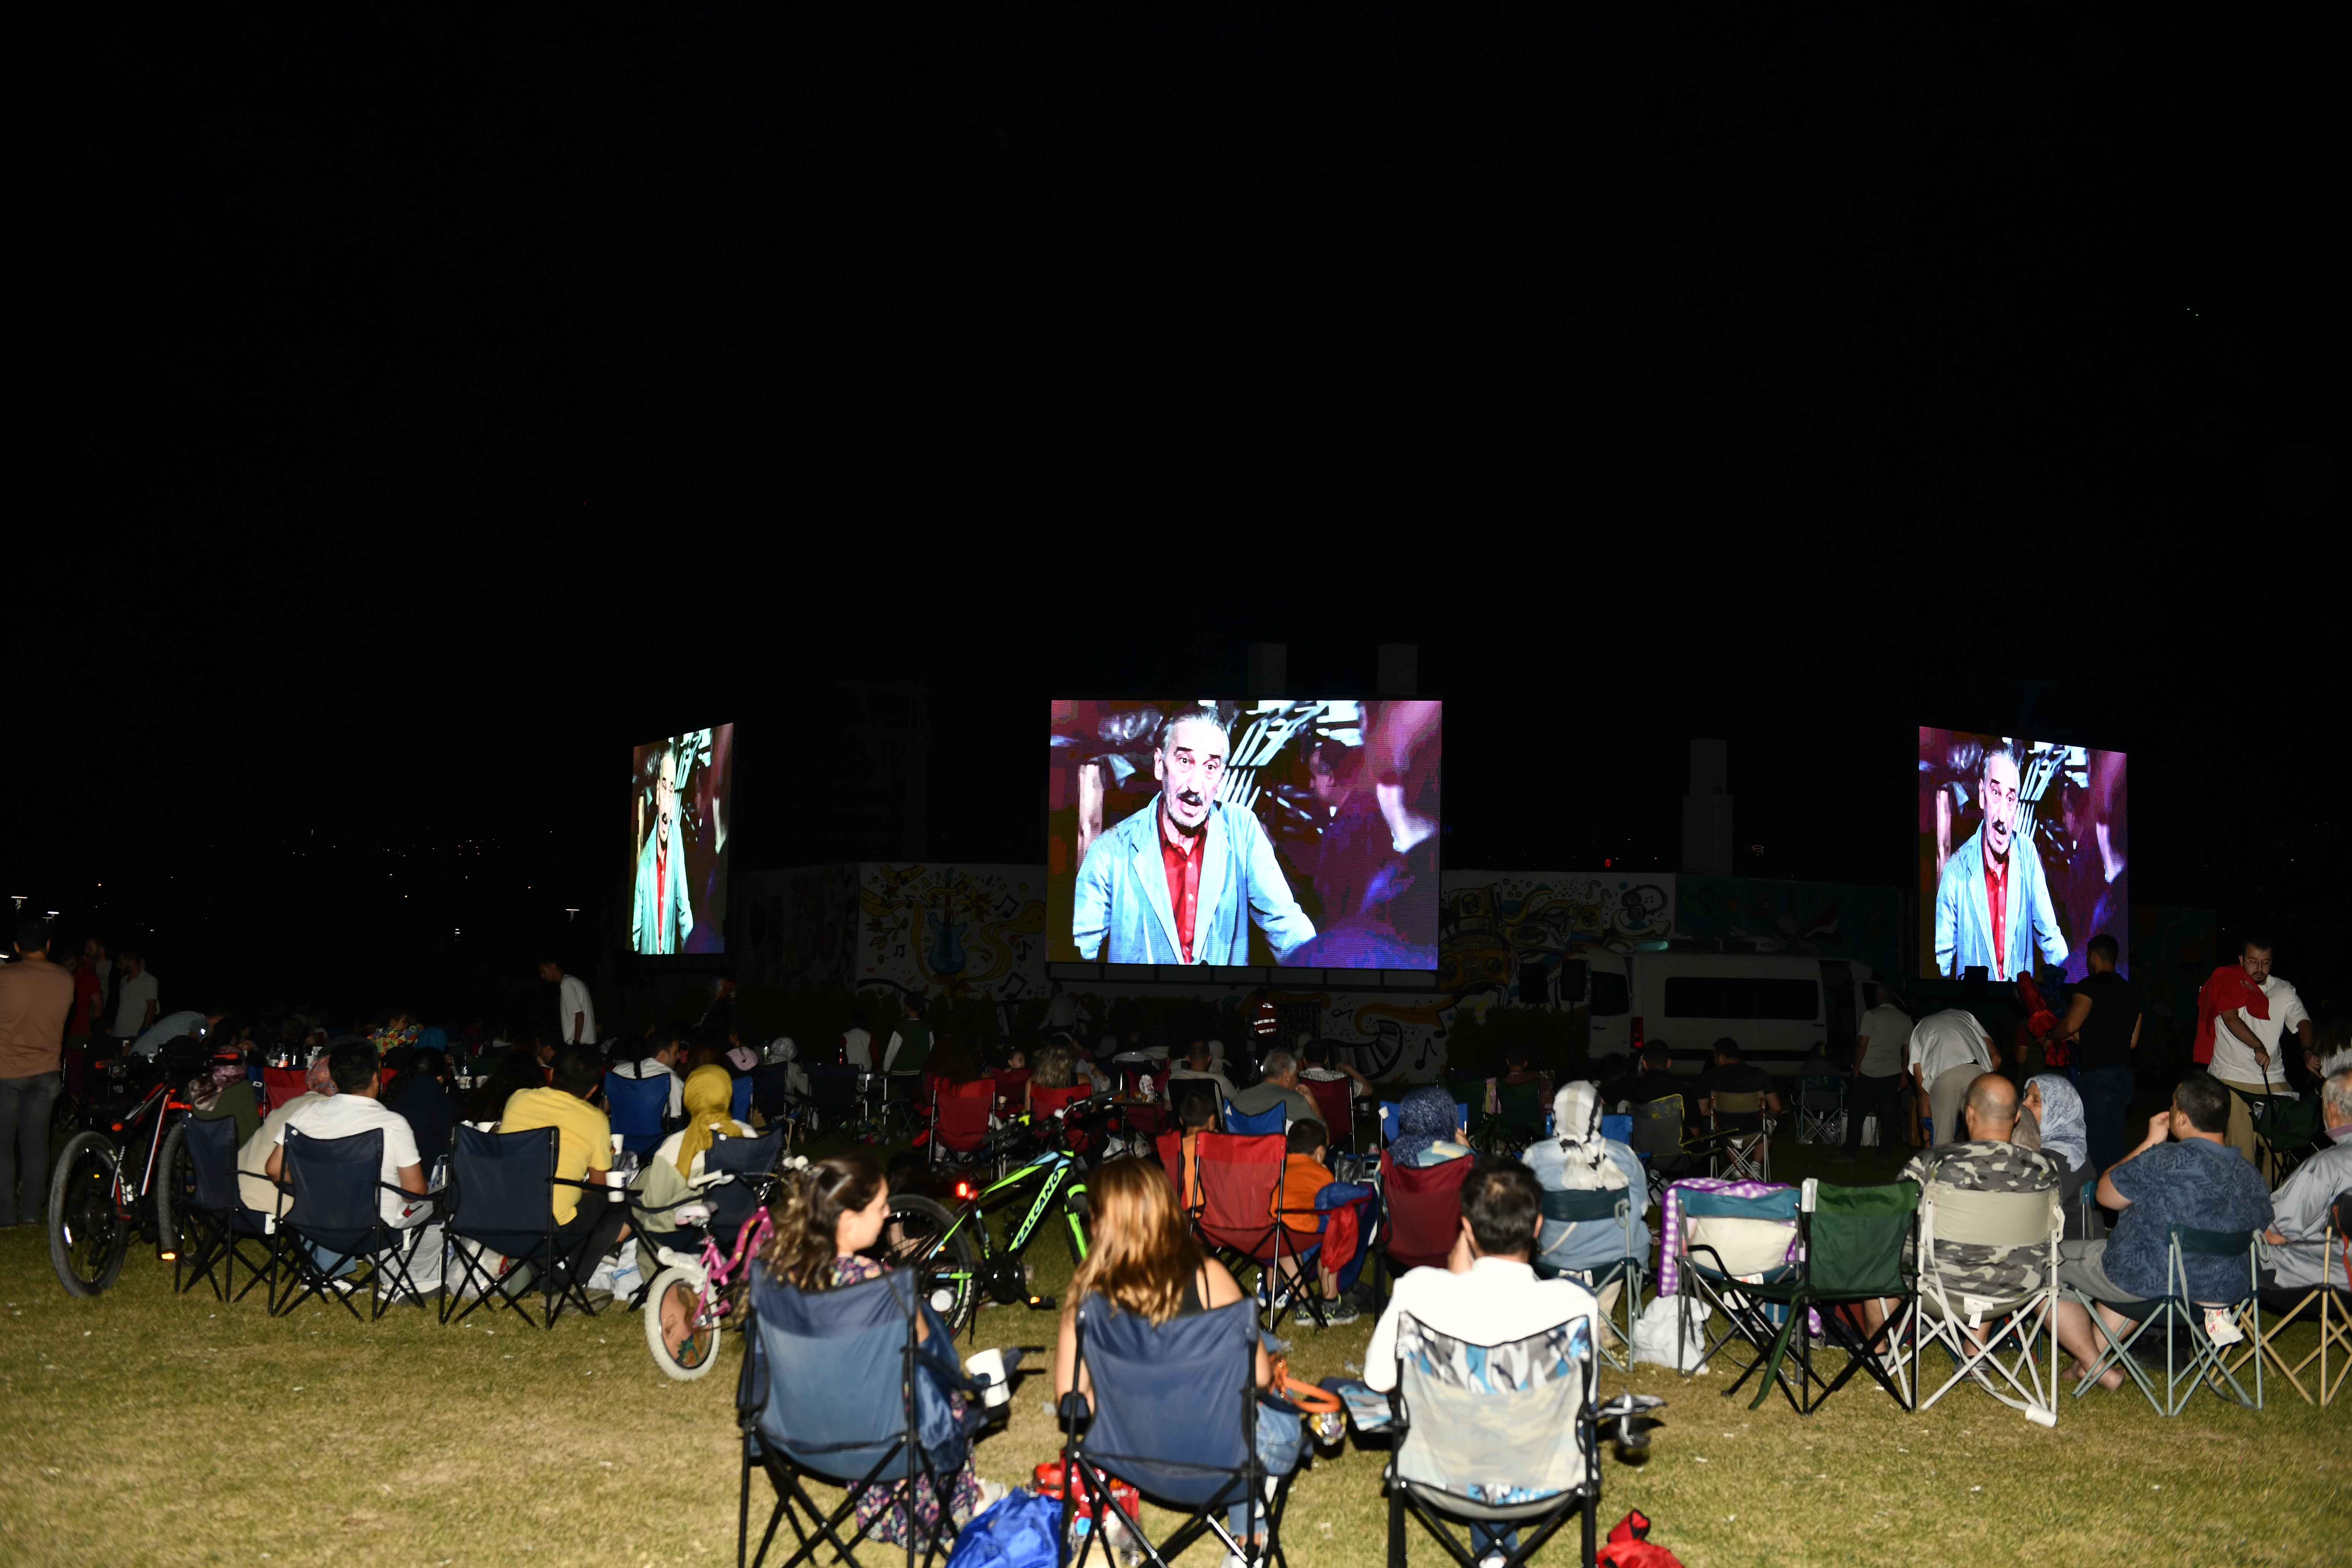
[(1987, 1162)]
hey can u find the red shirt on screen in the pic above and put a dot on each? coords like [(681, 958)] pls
[(661, 887), (1997, 902), (1183, 865)]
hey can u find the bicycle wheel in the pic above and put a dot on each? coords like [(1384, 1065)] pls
[(917, 1236), (175, 1189), (685, 1344), (87, 1237)]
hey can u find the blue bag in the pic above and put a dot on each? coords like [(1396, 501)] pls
[(1017, 1531)]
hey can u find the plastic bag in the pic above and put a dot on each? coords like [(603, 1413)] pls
[(1016, 1531), (1657, 1337)]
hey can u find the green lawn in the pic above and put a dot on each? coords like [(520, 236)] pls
[(145, 1427)]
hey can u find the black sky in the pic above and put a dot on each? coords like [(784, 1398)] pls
[(452, 401)]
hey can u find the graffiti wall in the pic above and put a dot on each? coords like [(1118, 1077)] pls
[(802, 927), (952, 929)]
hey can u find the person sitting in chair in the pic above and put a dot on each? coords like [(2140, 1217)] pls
[(828, 1218), (1304, 1174), (1654, 1081), (1144, 1260), (1429, 1128), (1734, 1074), (1278, 1085), (1988, 1161), (354, 1108), (1580, 1160), (2300, 1206), (669, 1051), (583, 1149), (1488, 1293), (2183, 1173)]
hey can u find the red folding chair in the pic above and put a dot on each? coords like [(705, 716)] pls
[(1242, 1216), (1170, 1146), (1334, 1098), (279, 1085), (1044, 1103), (1423, 1205), (959, 1116)]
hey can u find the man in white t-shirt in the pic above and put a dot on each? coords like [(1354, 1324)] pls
[(2246, 1049), (575, 1014), (354, 1107), (1882, 1039), (663, 1063), (1488, 1293), (1947, 1050), (137, 1006)]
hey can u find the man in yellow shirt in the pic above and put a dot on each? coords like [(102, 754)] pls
[(588, 1226)]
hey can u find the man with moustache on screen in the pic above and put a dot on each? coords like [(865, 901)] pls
[(662, 918), (1992, 902), (1170, 885)]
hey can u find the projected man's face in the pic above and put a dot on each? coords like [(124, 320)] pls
[(1190, 765), (665, 796), (1999, 803), (1328, 789)]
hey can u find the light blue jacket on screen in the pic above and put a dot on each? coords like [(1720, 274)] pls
[(1122, 914), (661, 923), (1964, 925)]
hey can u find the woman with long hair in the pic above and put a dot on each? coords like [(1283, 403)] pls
[(828, 1217), (1142, 1258)]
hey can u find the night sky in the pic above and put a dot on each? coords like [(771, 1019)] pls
[(455, 402)]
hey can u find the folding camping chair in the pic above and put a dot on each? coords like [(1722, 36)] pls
[(279, 1085), (335, 1214), (639, 1110), (960, 1117), (1273, 1120), (837, 1388), (1821, 1111), (2011, 1322), (751, 1161), (1421, 1214), (500, 1201), (1657, 1136), (1520, 1112), (2334, 1294), (1850, 1242), (1163, 1419), (1336, 1098), (1468, 1423), (1241, 1219), (1605, 1207), (1723, 1243), (1740, 1138), (738, 1099), (2286, 1128), (2175, 1312), (219, 1231), (835, 1099)]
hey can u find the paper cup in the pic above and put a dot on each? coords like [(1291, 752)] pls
[(987, 1368)]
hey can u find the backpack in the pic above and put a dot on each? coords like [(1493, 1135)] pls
[(1017, 1531)]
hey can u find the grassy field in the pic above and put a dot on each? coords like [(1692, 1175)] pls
[(144, 1427)]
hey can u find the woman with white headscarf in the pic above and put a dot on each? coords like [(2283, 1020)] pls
[(1577, 1159), (2054, 1110)]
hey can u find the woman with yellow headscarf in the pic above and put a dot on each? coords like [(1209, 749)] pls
[(667, 1180)]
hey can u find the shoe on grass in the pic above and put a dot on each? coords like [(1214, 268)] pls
[(1342, 1310)]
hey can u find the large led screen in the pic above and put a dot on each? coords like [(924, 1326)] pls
[(680, 814), (2022, 855), (1220, 832)]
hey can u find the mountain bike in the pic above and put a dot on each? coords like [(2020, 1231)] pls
[(128, 1169), (959, 1259)]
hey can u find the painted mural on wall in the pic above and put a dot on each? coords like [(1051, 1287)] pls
[(952, 929), (802, 927), (1836, 920)]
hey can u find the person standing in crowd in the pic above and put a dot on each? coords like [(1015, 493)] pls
[(99, 962), (2246, 1053), (89, 993), (1061, 1011), (2101, 1022), (1946, 1052), (575, 1013), (1882, 1037), (857, 1046), (36, 995), (910, 1047), (135, 1006)]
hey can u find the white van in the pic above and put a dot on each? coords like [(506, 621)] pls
[(1691, 994)]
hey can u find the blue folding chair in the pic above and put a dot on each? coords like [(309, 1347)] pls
[(638, 1109), (501, 1199), (220, 1231), (739, 1101), (336, 1212), (751, 1161), (836, 1387), (1274, 1120), (1175, 1414)]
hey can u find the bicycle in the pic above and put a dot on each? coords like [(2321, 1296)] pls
[(699, 1287), (958, 1259), (95, 1201)]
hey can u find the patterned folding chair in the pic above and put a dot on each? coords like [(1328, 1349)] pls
[(1739, 1141)]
